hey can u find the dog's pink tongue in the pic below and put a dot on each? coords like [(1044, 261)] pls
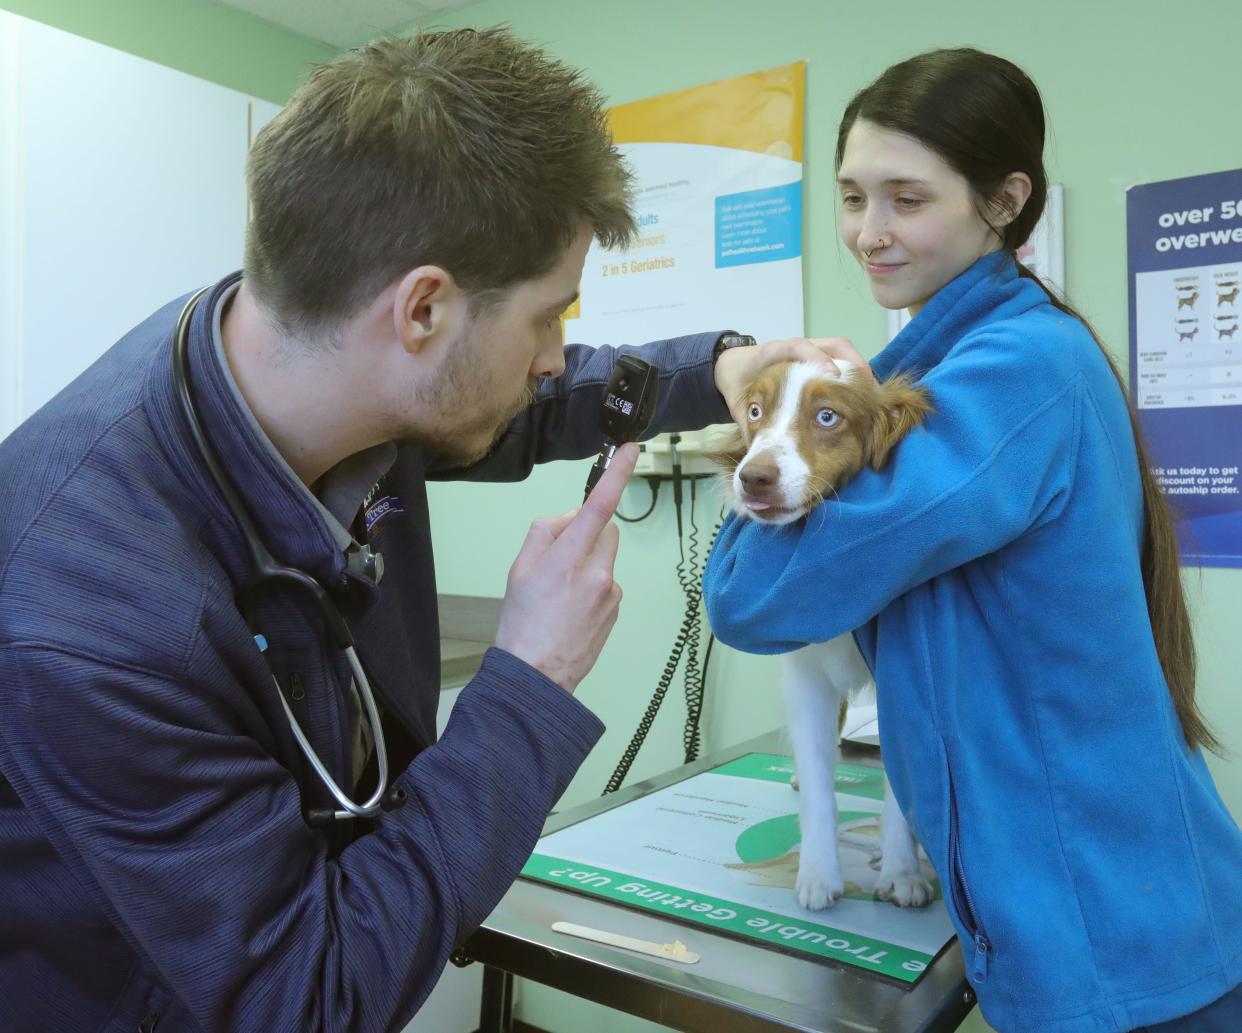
[(758, 506)]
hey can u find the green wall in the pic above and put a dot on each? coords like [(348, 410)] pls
[(1136, 92), (202, 38)]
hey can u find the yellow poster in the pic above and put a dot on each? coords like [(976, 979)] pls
[(719, 206)]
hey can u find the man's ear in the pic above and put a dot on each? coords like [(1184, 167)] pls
[(425, 298), (903, 406)]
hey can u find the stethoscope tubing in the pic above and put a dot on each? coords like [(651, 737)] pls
[(373, 805), (266, 572)]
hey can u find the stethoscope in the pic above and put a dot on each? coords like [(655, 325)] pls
[(267, 574)]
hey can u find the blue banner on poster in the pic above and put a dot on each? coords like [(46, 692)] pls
[(1184, 240), (759, 225)]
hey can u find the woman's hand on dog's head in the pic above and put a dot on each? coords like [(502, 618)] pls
[(737, 368)]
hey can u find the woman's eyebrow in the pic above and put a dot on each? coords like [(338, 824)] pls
[(897, 181)]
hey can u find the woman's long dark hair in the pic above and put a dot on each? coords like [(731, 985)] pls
[(984, 117)]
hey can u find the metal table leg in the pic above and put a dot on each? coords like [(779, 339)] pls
[(496, 1010)]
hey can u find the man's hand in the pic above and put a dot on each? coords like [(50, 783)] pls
[(737, 367), (561, 600)]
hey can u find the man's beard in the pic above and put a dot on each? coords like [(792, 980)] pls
[(462, 454), (466, 444)]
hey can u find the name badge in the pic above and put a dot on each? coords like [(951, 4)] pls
[(380, 510)]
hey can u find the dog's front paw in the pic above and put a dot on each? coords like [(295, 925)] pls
[(904, 889), (820, 884)]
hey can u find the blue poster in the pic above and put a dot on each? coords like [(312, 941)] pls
[(1185, 249)]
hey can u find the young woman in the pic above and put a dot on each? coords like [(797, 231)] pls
[(1012, 579)]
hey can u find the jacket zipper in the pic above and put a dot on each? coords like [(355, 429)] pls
[(966, 903)]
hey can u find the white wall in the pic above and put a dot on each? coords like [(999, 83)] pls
[(121, 187), (11, 150)]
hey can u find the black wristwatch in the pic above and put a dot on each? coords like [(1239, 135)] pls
[(731, 340)]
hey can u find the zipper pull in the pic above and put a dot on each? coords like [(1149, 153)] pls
[(982, 950)]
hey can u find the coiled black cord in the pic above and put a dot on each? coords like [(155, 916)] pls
[(696, 678), (691, 581), (653, 708), (689, 577)]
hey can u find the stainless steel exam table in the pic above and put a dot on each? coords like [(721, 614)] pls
[(736, 986)]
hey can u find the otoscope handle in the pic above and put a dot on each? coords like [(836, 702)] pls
[(600, 465)]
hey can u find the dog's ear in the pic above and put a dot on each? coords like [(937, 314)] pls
[(729, 450), (903, 406)]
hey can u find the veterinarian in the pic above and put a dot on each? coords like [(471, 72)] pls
[(189, 538), (1011, 578)]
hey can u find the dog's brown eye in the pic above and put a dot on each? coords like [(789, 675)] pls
[(827, 418), (755, 411)]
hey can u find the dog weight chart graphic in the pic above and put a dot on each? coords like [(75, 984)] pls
[(1185, 250), (719, 851)]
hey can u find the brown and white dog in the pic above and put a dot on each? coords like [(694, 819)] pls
[(805, 434)]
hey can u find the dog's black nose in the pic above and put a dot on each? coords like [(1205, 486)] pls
[(759, 476)]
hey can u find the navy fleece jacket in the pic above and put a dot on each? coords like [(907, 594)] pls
[(155, 863)]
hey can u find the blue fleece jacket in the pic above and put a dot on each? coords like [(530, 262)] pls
[(991, 576), (155, 864)]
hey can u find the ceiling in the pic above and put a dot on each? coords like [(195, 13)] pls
[(345, 23)]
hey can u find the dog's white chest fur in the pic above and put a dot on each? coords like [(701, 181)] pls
[(818, 680)]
